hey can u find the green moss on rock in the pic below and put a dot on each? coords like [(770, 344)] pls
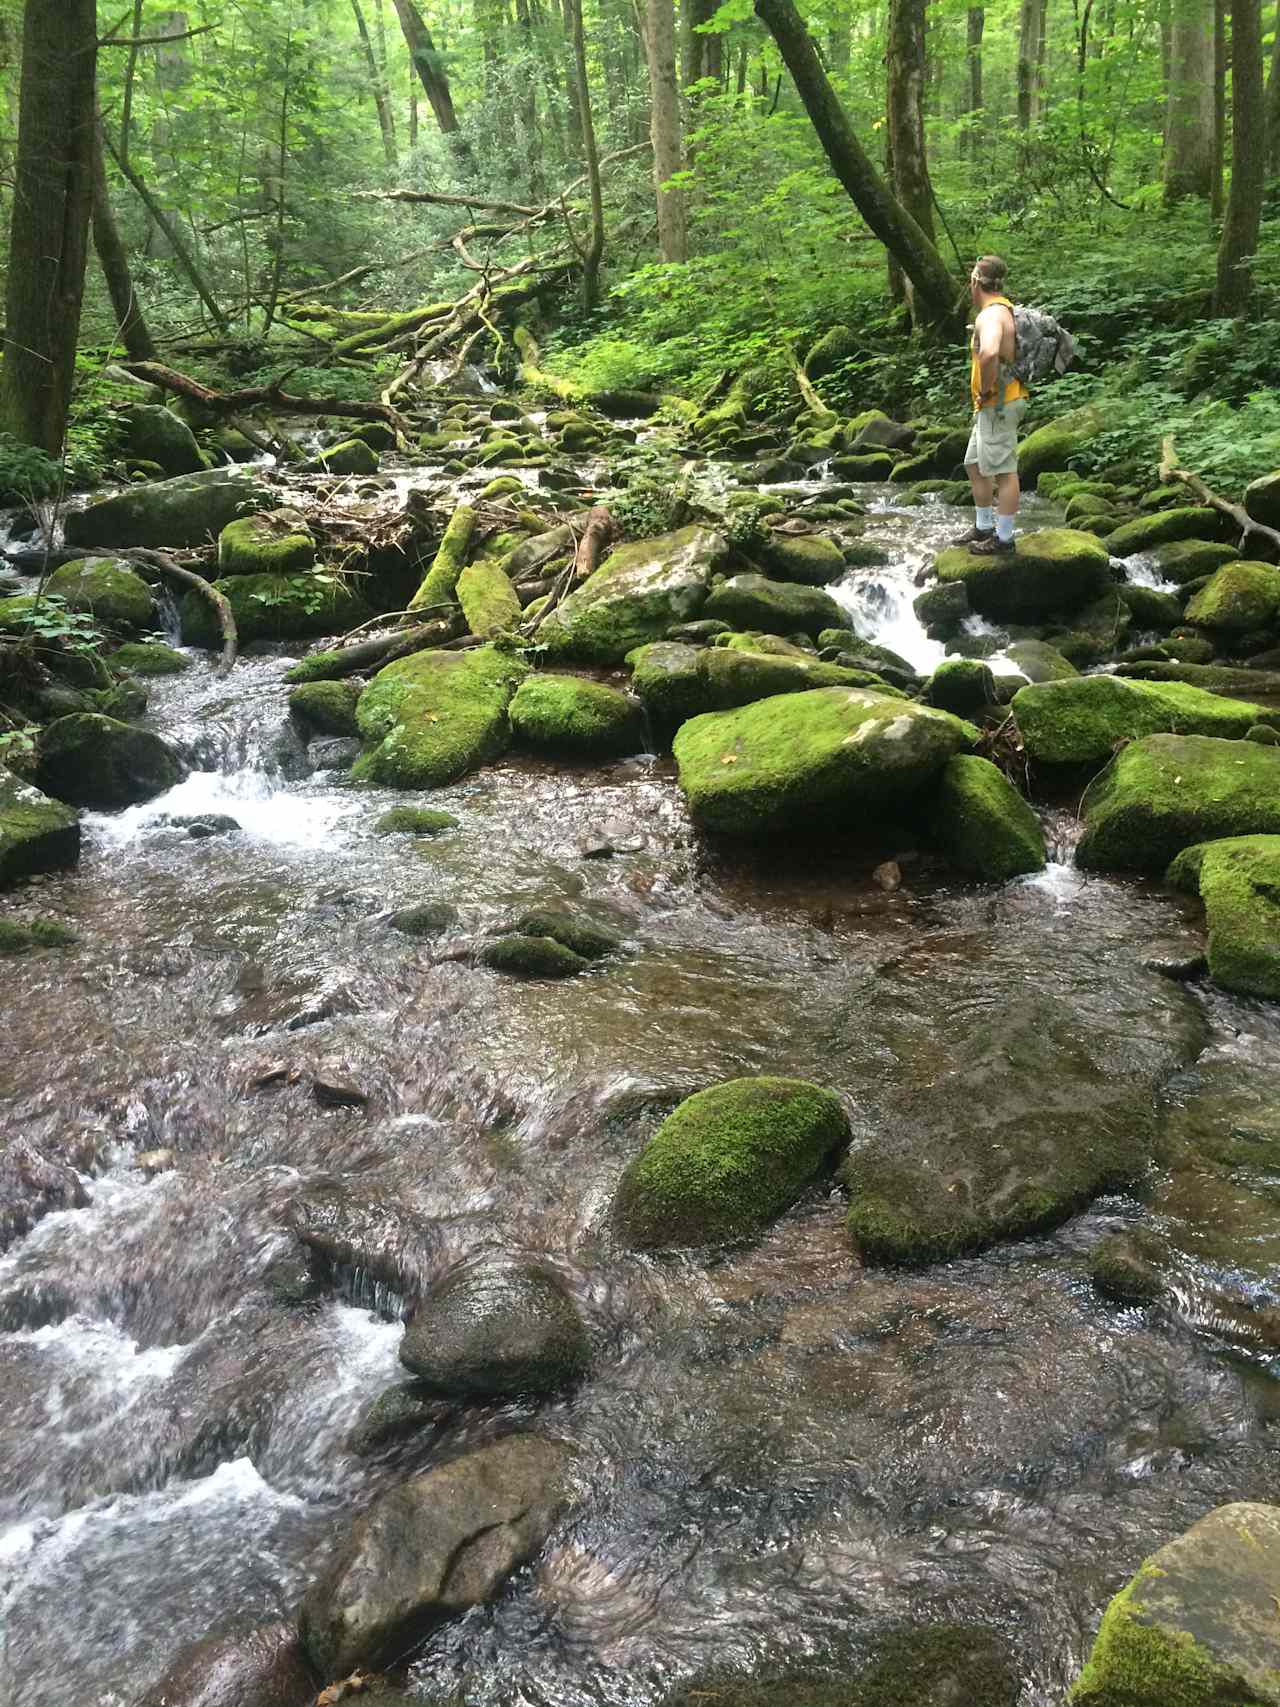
[(753, 601), (1050, 448), (414, 821), (982, 823), (1128, 1266), (1144, 533), (1050, 572), (430, 718), (440, 585), (571, 715), (153, 433), (635, 597), (1238, 879), (489, 602), (428, 919), (808, 558), (585, 938), (91, 760), (1040, 662), (352, 456), (962, 685), (273, 607), (149, 658), (277, 542), (36, 833), (329, 707), (1187, 559), (531, 957), (1084, 720), (109, 587), (1240, 598), (727, 1161), (188, 511)]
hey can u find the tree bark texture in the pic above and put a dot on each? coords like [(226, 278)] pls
[(1248, 160), (937, 296), (905, 65), (976, 23), (1273, 99), (594, 251), (381, 97), (433, 77), (1218, 190), (1028, 59), (1188, 135), (49, 231), (664, 128), (114, 261)]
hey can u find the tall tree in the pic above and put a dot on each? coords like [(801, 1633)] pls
[(1188, 136), (664, 94), (113, 258), (434, 79), (381, 95), (1028, 60), (975, 23), (904, 111), (49, 231), (594, 251), (1248, 161), (936, 295), (1273, 99)]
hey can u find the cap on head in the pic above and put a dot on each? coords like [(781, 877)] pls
[(990, 273)]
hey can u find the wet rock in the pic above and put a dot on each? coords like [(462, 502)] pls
[(727, 1161), (635, 596), (35, 1304), (1128, 1266), (1052, 571), (1238, 879), (265, 1667), (1150, 608), (292, 1279), (275, 542), (531, 957), (1146, 532), (108, 587), (679, 682), (1241, 598), (19, 938), (582, 935), (1197, 1624), (1184, 560), (962, 685), (401, 1413), (813, 758), (273, 607), (89, 760), (333, 1086), (153, 1162), (414, 821), (1040, 662), (608, 840), (752, 601), (429, 718), (352, 456), (31, 1187), (36, 833), (1176, 959), (430, 1549), (567, 714), (334, 753), (155, 434), (982, 823), (187, 511), (496, 1332), (200, 826), (942, 608), (1167, 792), (327, 706), (888, 875), (149, 658), (809, 559), (1084, 721)]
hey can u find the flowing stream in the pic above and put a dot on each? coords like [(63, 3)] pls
[(786, 1454)]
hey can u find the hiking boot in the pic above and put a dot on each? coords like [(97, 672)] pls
[(991, 545), (974, 535)]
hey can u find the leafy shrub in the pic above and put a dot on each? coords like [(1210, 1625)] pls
[(27, 475)]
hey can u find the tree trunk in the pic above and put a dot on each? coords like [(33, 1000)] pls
[(49, 231), (130, 78), (936, 295), (381, 98), (905, 65), (1248, 161), (1273, 100), (1188, 136), (114, 261), (172, 235), (595, 245), (977, 19), (1042, 50), (660, 47), (1028, 50), (434, 79), (1217, 201)]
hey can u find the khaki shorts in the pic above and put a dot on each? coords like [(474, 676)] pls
[(993, 443)]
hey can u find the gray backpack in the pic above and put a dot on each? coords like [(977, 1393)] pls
[(1041, 346)]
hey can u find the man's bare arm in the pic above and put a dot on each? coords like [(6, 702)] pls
[(990, 330)]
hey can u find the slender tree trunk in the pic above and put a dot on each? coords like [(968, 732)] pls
[(1042, 52), (114, 261), (1273, 99), (172, 235), (660, 46), (594, 251), (435, 82), (130, 77), (1217, 198), (976, 23), (1188, 145), (49, 230), (936, 295), (381, 98), (741, 85), (413, 108), (1028, 49), (907, 164), (1248, 161)]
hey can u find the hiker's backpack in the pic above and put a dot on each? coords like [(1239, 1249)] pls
[(1041, 346)]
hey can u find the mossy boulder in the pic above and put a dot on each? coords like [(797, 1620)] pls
[(432, 717), (1184, 560), (489, 602), (427, 919), (586, 938), (531, 957), (498, 1331), (149, 658), (943, 609), (1051, 572), (1166, 792), (273, 607), (1144, 533), (1149, 608), (153, 433), (825, 756), (1050, 448), (414, 821), (1128, 1266), (1083, 721), (962, 685), (329, 707), (91, 760), (982, 823), (754, 601), (36, 833), (440, 584), (635, 596), (727, 1161), (1196, 1627), (1240, 598), (1040, 662), (570, 715), (352, 456), (679, 682), (1262, 499), (864, 465), (808, 558), (277, 542), (188, 511), (109, 587), (1238, 879)]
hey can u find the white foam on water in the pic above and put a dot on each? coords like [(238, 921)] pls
[(1142, 571), (880, 608), (1062, 882), (262, 810)]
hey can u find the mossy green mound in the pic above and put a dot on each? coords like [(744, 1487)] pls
[(36, 833), (727, 1161), (1040, 662), (155, 434), (108, 587), (430, 718), (440, 584), (569, 715), (1166, 792), (90, 760), (329, 707), (273, 607), (1187, 559), (1144, 533), (829, 755), (982, 823), (776, 607), (635, 596), (489, 602), (1196, 1627), (414, 821), (1150, 608), (531, 957), (1240, 598), (429, 918), (1083, 721), (1232, 679), (352, 456), (149, 658), (962, 685), (190, 510), (273, 543), (1054, 571), (1238, 879), (585, 938), (679, 682), (808, 558), (1050, 448)]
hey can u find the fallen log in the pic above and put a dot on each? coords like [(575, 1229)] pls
[(372, 654), (164, 565), (1170, 472), (599, 532), (228, 403)]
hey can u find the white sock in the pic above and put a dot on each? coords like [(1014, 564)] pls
[(1004, 529), (986, 514)]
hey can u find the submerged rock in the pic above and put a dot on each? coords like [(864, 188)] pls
[(96, 761), (1050, 572), (36, 833), (568, 714), (414, 821), (431, 1548), (1196, 1627), (190, 510), (982, 823), (727, 1161), (584, 937), (431, 717), (1085, 720), (108, 587), (1238, 879), (531, 957), (496, 1332), (31, 1187), (1128, 1266), (400, 1413), (239, 1668), (635, 596)]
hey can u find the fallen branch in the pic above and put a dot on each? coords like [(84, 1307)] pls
[(440, 200), (236, 402), (1169, 472), (382, 649), (599, 533), (164, 564)]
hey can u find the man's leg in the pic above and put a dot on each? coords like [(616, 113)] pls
[(983, 489), (1008, 497)]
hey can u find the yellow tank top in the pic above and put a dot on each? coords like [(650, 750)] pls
[(1014, 388)]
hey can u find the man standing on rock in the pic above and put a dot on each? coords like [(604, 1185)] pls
[(999, 403)]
